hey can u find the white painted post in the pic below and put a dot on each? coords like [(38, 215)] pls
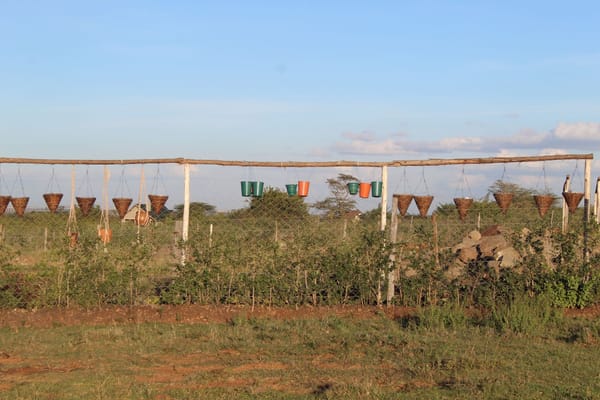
[(586, 207), (597, 201), (186, 208), (384, 195)]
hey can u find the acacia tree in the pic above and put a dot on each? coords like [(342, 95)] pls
[(275, 203), (340, 202)]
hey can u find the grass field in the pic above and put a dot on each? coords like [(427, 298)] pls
[(435, 353)]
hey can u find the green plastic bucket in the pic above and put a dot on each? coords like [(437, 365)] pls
[(246, 189), (292, 189), (257, 188), (353, 188), (376, 187)]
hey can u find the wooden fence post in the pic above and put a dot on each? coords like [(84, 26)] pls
[(186, 209), (565, 207), (392, 273), (586, 207)]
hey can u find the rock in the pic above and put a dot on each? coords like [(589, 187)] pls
[(489, 245), (467, 254), (474, 235), (491, 230), (453, 272), (466, 243), (508, 257)]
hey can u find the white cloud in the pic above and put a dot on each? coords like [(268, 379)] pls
[(566, 138), (363, 136), (578, 131)]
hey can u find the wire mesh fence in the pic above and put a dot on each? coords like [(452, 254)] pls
[(260, 236)]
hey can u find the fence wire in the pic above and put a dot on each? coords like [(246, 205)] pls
[(274, 245)]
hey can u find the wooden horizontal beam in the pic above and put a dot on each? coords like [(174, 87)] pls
[(301, 164)]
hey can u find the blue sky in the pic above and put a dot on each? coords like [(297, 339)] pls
[(267, 80)]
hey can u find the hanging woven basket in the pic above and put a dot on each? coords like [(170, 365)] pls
[(503, 200), (572, 199), (404, 201), (423, 203), (122, 205), (543, 203), (4, 201), (157, 202), (19, 204), (462, 205), (73, 238), (53, 200), (105, 235), (85, 204), (142, 217)]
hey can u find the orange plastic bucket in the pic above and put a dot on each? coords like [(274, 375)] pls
[(364, 190), (303, 188)]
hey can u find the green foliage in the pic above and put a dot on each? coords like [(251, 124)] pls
[(525, 315), (197, 209), (339, 203), (448, 316)]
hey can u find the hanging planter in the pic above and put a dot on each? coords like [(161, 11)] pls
[(364, 190), (572, 199), (142, 217), (157, 202), (376, 188), (85, 204), (73, 238), (257, 188), (246, 189), (105, 235), (543, 203), (291, 189), (4, 201), (353, 188), (423, 203), (503, 199), (303, 187), (404, 201), (462, 205), (19, 204), (122, 205), (53, 200)]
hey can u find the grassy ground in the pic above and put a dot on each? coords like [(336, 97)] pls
[(432, 355)]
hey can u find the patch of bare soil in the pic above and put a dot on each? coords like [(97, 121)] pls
[(189, 314), (192, 314)]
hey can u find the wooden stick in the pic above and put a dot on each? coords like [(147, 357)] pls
[(586, 207), (384, 193), (565, 207), (302, 164), (393, 240)]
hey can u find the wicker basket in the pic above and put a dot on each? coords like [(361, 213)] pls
[(85, 204), (105, 235), (423, 203), (404, 201), (462, 205), (53, 200), (142, 217), (572, 199), (503, 200), (543, 203), (122, 205), (19, 204), (157, 202), (4, 201)]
